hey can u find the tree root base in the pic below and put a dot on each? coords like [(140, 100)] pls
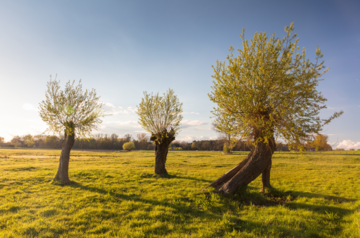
[(249, 196), (165, 175), (58, 182)]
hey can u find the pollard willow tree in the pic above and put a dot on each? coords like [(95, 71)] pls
[(72, 112), (269, 90), (161, 117)]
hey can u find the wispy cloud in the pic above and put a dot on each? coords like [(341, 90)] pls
[(29, 107), (196, 113), (142, 131), (119, 127), (189, 138), (187, 123), (111, 109), (202, 129), (21, 129), (129, 123)]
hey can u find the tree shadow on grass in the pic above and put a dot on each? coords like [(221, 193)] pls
[(136, 198), (249, 195), (334, 199), (323, 209), (185, 214), (172, 176), (226, 224), (273, 197), (233, 224)]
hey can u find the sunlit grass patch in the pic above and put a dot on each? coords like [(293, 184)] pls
[(117, 194)]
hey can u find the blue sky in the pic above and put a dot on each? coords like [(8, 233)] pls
[(122, 48)]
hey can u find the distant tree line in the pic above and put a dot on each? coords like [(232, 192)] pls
[(115, 142), (142, 142), (97, 142)]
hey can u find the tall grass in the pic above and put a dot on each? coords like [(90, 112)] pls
[(117, 194)]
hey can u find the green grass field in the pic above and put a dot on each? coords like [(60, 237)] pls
[(117, 194)]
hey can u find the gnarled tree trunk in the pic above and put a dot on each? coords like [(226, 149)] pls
[(162, 142), (257, 162), (62, 174)]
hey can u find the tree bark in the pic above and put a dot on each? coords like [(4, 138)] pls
[(257, 162), (226, 177), (266, 177), (62, 174), (161, 151)]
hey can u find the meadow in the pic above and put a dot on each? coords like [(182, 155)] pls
[(116, 194)]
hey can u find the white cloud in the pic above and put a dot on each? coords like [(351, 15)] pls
[(191, 113), (348, 144), (29, 107), (200, 129), (113, 110), (21, 129), (109, 105), (135, 124), (192, 138), (119, 127), (189, 138), (130, 123), (143, 131), (187, 123)]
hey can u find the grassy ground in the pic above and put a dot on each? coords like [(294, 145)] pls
[(116, 194)]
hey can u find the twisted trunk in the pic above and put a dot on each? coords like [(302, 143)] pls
[(257, 162), (62, 174), (162, 143)]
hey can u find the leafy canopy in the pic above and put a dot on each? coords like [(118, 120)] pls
[(270, 89), (159, 114), (320, 143), (71, 110), (129, 146)]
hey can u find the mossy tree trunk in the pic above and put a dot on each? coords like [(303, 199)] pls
[(257, 162), (162, 143), (62, 174)]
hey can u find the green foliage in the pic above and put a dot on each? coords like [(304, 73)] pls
[(320, 143), (270, 88), (116, 195), (28, 141), (16, 141), (129, 145), (194, 146), (71, 110), (226, 148), (160, 115)]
